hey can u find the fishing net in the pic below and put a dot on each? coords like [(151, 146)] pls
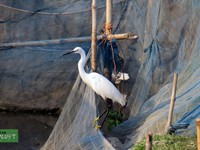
[(39, 77)]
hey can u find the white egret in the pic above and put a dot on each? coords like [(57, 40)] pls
[(101, 85)]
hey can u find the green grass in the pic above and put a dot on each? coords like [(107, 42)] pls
[(114, 119), (169, 142)]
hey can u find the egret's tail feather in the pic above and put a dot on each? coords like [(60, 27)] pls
[(126, 100), (125, 104)]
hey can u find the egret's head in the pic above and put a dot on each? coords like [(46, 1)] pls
[(78, 50)]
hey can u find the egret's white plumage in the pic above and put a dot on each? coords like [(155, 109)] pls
[(101, 85)]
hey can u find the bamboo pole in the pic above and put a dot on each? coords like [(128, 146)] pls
[(173, 98), (94, 36), (148, 142), (68, 40), (108, 16), (46, 42), (123, 36), (198, 133)]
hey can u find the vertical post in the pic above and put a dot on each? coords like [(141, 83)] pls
[(148, 142), (94, 35), (108, 17), (173, 98), (198, 133), (108, 28)]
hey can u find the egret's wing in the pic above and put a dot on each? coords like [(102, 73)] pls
[(103, 86)]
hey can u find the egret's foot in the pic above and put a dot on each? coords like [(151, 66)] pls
[(97, 127), (95, 121)]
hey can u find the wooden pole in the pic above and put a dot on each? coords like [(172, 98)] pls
[(123, 36), (108, 17), (148, 142), (198, 133), (94, 36), (46, 42), (68, 40), (173, 98)]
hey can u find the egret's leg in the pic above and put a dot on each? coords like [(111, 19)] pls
[(109, 106), (99, 126), (109, 103), (97, 118), (105, 118)]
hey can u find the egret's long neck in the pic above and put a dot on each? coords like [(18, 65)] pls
[(81, 65)]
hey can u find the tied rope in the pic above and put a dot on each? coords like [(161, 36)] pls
[(108, 27)]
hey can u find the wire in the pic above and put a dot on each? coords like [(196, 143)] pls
[(122, 16)]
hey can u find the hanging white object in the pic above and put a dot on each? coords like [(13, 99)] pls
[(120, 77)]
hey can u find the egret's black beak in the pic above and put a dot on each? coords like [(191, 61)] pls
[(68, 53)]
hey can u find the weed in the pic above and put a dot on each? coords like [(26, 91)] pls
[(168, 142)]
